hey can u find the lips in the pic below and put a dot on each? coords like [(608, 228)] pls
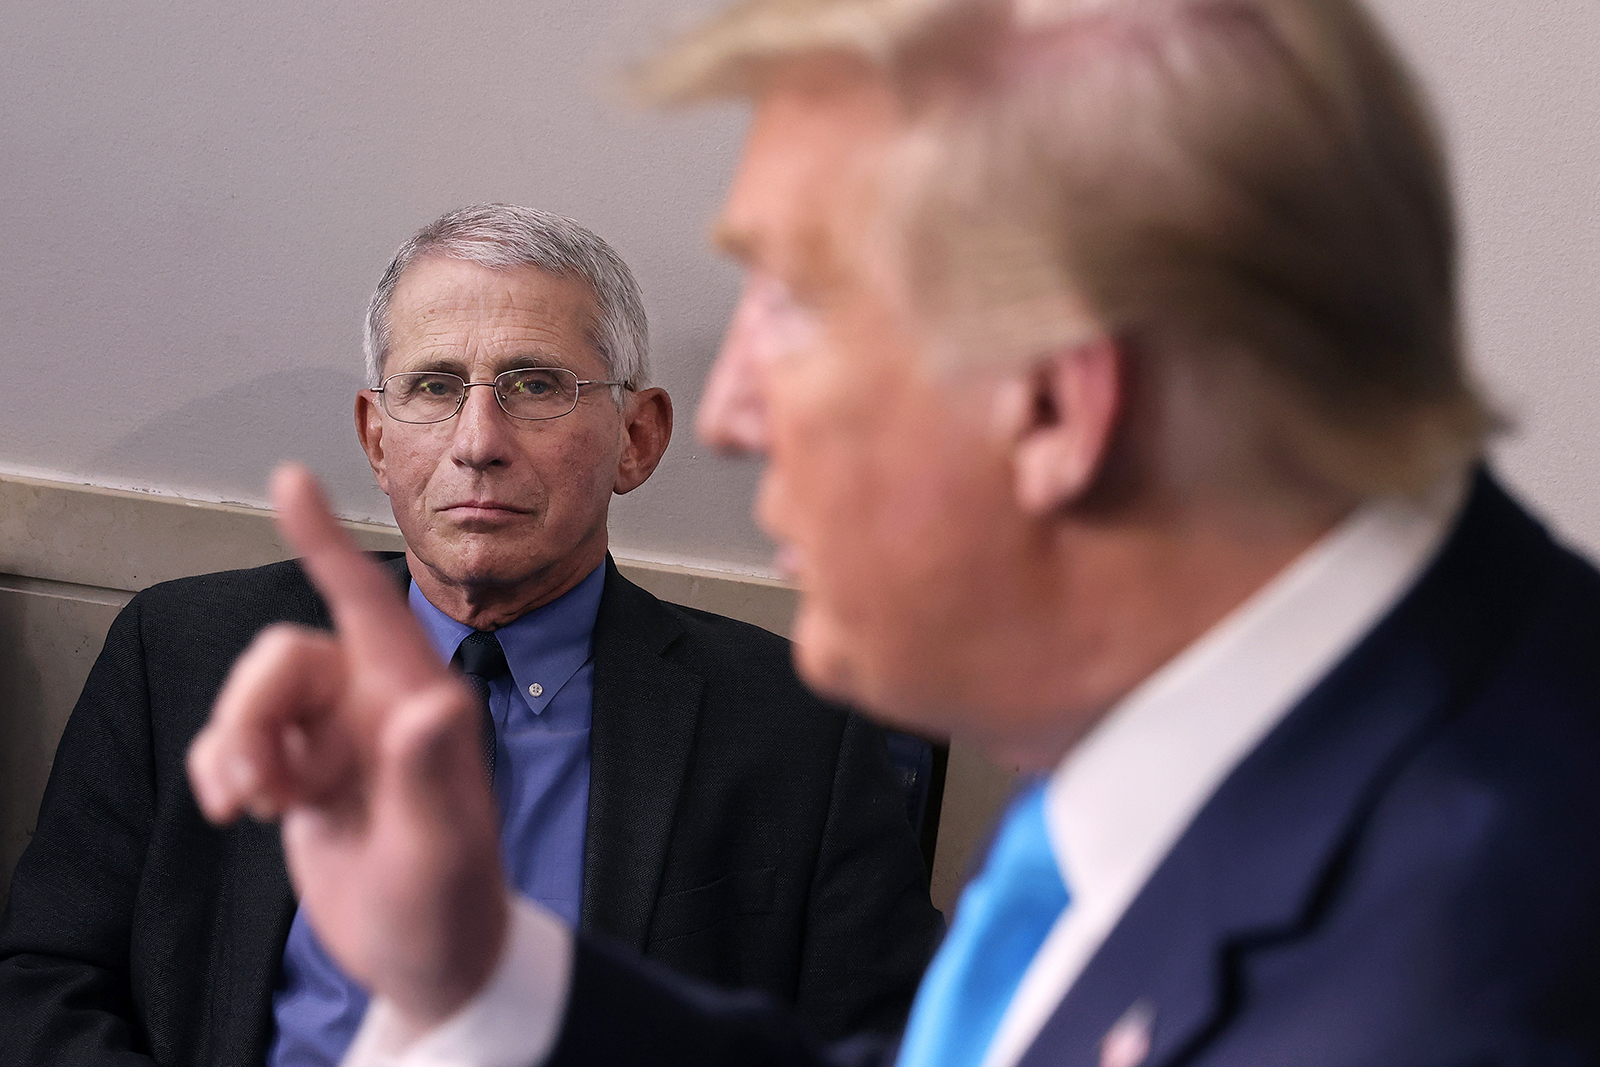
[(484, 509)]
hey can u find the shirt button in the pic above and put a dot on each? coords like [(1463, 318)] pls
[(535, 690)]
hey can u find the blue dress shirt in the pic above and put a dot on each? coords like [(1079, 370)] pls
[(542, 714)]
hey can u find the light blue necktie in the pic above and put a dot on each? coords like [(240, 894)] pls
[(1001, 921)]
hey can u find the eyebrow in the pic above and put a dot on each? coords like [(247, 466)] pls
[(453, 364), (537, 358), (815, 269)]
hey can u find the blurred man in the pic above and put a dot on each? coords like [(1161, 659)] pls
[(1105, 356), (661, 777)]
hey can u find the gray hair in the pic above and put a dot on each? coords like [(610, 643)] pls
[(505, 236)]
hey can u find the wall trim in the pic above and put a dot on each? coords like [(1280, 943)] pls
[(122, 540), (42, 587)]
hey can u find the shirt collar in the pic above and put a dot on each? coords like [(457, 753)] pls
[(543, 648), (1121, 798)]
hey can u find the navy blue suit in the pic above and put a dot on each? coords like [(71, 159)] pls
[(1405, 871)]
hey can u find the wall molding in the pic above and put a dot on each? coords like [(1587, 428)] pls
[(85, 594), (120, 540)]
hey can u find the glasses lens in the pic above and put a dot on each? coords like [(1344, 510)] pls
[(425, 396), (537, 392)]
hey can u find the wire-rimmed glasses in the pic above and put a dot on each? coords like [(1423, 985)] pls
[(528, 393)]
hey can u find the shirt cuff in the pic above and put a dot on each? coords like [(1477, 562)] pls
[(512, 1022)]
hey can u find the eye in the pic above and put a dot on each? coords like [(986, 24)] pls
[(533, 383), (429, 387)]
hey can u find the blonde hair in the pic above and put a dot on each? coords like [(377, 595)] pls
[(1251, 186)]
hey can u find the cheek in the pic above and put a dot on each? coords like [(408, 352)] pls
[(925, 495), (576, 472), (830, 453), (410, 469), (905, 566)]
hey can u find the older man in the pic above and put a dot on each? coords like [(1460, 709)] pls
[(661, 776), (1106, 359)]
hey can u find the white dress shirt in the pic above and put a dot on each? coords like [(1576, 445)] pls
[(1114, 807)]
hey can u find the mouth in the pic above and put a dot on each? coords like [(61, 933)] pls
[(483, 510)]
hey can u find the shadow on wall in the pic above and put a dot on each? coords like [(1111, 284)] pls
[(230, 441)]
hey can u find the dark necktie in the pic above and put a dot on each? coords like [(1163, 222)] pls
[(482, 660)]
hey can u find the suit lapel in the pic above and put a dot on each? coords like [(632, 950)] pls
[(259, 901), (1265, 855), (646, 710)]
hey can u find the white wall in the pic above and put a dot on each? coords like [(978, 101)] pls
[(1517, 85), (196, 198)]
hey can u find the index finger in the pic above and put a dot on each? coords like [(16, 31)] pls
[(370, 615)]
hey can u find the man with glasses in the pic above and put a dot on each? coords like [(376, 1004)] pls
[(662, 778)]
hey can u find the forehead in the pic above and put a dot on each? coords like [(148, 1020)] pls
[(809, 180), (451, 303)]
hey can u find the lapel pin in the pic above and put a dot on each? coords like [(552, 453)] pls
[(1127, 1043)]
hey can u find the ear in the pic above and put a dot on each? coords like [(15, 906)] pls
[(369, 428), (1061, 416), (647, 426)]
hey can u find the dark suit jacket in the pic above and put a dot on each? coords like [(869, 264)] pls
[(1406, 871), (738, 830)]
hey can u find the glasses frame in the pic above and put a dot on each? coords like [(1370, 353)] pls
[(577, 393)]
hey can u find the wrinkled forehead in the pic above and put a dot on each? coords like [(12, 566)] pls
[(438, 285), (440, 301)]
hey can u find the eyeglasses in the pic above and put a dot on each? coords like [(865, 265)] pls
[(529, 393)]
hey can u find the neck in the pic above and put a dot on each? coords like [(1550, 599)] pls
[(1140, 593), (491, 605)]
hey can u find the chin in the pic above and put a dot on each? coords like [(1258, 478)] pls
[(486, 569), (824, 672), (839, 668), (824, 658)]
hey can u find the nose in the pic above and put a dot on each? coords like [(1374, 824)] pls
[(733, 411), (482, 431), (732, 415)]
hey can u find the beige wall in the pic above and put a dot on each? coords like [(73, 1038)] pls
[(71, 556)]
